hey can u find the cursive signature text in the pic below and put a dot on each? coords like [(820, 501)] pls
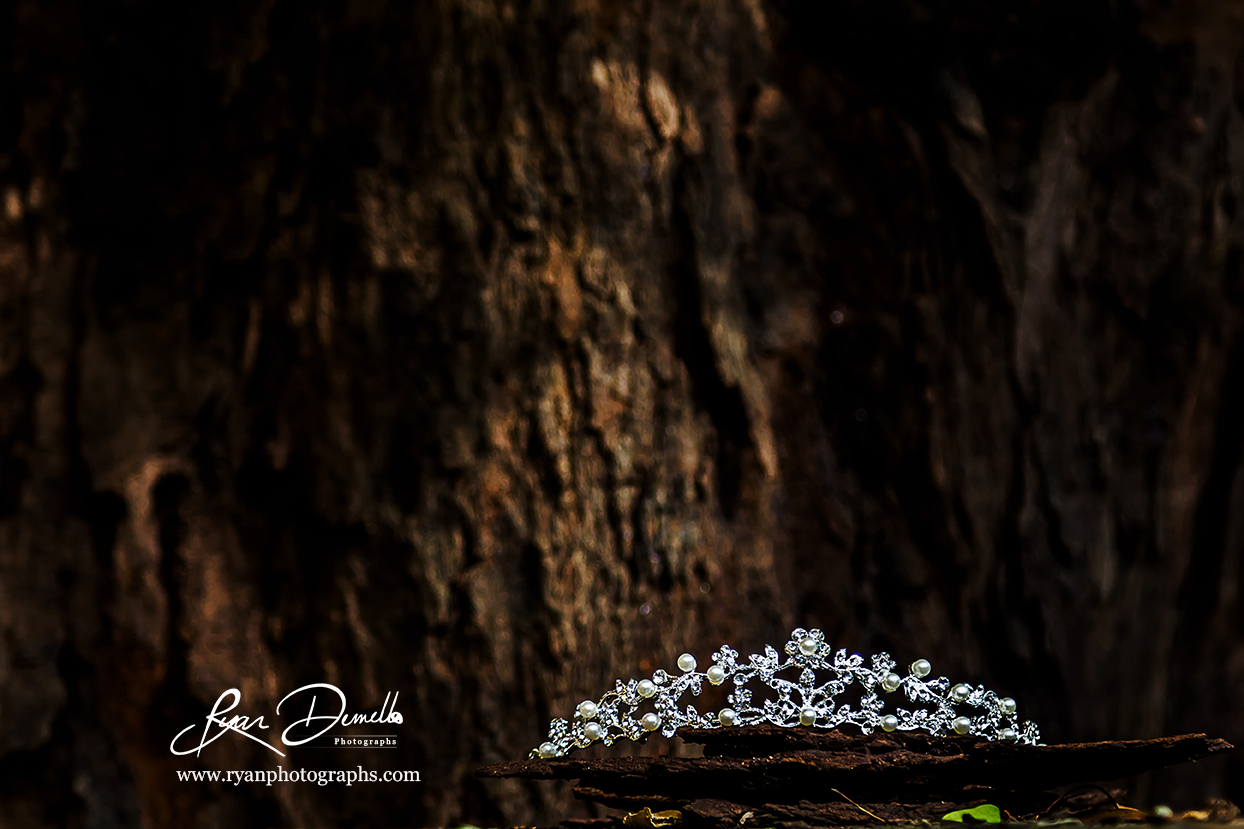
[(308, 695)]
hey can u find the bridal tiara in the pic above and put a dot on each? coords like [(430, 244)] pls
[(803, 702)]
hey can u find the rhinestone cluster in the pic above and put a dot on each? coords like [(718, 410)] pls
[(823, 675)]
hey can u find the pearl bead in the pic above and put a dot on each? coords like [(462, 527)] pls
[(587, 709), (808, 715), (808, 646), (960, 692), (962, 725), (1007, 705), (716, 674), (1007, 734), (891, 682), (921, 668), (727, 717), (650, 722), (592, 730), (686, 662), (646, 688), (889, 722), (548, 750)]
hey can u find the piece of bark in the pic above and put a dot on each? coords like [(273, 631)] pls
[(801, 777), (874, 768), (794, 777)]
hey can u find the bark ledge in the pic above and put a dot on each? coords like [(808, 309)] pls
[(832, 778)]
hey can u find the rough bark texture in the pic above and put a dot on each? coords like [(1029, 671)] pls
[(486, 351), (765, 765)]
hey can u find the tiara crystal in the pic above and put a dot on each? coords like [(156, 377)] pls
[(636, 708)]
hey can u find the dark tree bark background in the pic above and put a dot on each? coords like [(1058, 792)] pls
[(489, 351)]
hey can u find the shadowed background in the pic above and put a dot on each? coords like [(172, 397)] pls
[(487, 352)]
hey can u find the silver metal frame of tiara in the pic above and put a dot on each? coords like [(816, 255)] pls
[(805, 702)]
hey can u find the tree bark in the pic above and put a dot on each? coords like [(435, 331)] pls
[(766, 768), (486, 352), (765, 764)]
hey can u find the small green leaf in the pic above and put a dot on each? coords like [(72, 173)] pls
[(985, 813)]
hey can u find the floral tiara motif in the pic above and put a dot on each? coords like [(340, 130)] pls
[(804, 702)]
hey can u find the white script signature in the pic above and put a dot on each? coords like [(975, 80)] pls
[(242, 724)]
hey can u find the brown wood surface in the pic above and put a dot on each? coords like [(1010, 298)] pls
[(805, 773), (877, 766)]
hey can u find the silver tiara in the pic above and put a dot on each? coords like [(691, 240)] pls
[(636, 708)]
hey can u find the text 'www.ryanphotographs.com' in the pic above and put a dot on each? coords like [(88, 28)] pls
[(320, 777)]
